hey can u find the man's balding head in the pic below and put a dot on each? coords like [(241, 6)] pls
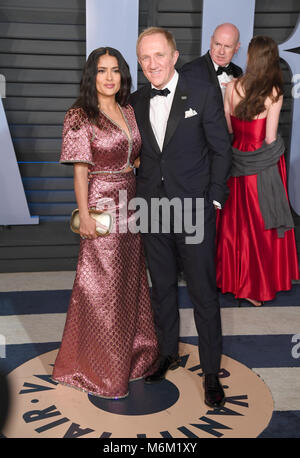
[(224, 43)]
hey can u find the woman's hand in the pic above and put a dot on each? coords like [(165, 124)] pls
[(137, 162), (87, 223), (87, 227)]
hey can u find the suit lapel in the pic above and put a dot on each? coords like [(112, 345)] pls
[(212, 72), (177, 111), (236, 70), (143, 110)]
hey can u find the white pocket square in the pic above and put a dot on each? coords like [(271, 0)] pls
[(189, 113)]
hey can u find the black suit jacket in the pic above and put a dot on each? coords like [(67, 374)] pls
[(196, 156), (203, 69)]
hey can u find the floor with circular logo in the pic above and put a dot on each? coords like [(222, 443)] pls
[(173, 408), (260, 367)]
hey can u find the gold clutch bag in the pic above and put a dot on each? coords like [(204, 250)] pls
[(103, 221)]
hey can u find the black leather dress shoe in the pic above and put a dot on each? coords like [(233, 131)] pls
[(214, 394), (165, 364)]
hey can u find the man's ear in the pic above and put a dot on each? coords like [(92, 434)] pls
[(175, 56), (237, 47)]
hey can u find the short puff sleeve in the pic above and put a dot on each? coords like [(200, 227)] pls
[(76, 138)]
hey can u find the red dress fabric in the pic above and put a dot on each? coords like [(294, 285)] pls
[(250, 260)]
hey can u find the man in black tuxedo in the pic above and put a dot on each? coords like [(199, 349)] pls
[(186, 154), (216, 66)]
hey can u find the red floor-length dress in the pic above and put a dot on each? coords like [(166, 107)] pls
[(250, 260), (109, 336)]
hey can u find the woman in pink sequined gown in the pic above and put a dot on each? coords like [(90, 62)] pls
[(253, 262), (109, 337)]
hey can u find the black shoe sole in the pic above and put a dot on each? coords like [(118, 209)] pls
[(215, 407), (172, 367)]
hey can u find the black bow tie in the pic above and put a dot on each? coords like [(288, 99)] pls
[(228, 70), (163, 92)]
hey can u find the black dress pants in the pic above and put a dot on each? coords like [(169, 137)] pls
[(198, 263)]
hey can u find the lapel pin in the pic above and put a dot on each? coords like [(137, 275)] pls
[(183, 97)]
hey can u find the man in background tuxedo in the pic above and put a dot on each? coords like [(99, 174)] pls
[(216, 66), (186, 153)]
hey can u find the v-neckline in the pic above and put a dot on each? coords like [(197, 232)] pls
[(129, 137)]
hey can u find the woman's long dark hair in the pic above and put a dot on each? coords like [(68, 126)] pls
[(262, 75), (88, 99)]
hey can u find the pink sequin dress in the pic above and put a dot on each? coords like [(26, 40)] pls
[(109, 337)]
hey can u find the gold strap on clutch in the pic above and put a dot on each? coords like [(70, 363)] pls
[(103, 219)]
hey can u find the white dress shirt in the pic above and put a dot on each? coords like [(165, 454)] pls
[(223, 78), (160, 107)]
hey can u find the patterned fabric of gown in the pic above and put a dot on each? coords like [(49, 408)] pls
[(250, 260), (109, 337)]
